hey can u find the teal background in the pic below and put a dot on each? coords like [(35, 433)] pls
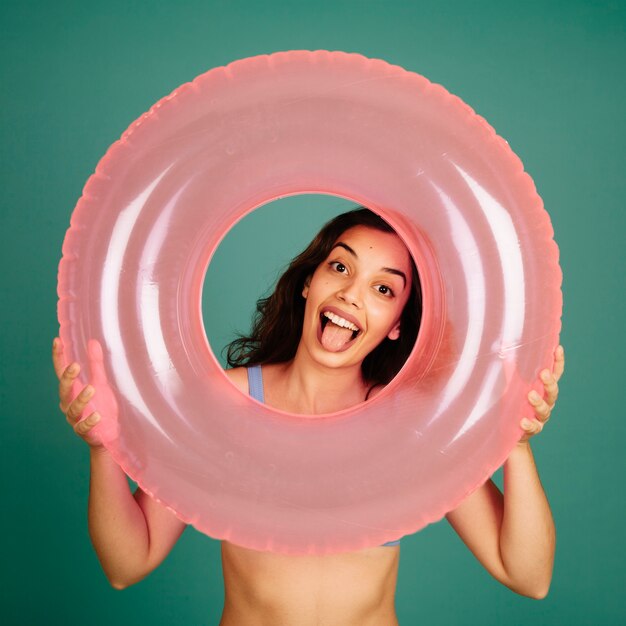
[(549, 76)]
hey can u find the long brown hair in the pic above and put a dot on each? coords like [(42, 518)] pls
[(277, 324)]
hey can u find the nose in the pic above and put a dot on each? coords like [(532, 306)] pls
[(350, 295)]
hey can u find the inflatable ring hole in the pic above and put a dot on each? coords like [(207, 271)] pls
[(250, 258), (254, 253)]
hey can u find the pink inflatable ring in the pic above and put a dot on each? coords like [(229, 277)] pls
[(157, 207)]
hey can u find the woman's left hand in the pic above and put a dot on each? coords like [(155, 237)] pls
[(543, 406)]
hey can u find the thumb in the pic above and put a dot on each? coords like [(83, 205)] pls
[(104, 400)]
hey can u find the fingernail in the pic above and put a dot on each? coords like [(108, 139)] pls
[(73, 368), (545, 376), (534, 395), (526, 423)]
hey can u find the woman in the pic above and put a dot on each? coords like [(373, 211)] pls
[(341, 322)]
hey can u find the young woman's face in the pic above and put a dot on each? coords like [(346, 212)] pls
[(356, 296)]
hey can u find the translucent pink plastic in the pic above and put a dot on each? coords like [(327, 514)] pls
[(237, 137)]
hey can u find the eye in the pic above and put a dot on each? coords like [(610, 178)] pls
[(339, 266), (385, 291)]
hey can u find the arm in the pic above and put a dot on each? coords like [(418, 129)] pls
[(131, 534), (527, 535), (513, 535)]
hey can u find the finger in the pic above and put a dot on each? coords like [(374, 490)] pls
[(559, 362), (84, 426), (96, 362), (108, 430), (540, 406), (531, 427), (75, 409), (66, 384), (550, 386)]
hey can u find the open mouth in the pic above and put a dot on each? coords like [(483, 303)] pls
[(335, 333)]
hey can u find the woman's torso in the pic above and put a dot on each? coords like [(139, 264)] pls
[(265, 588), (268, 589)]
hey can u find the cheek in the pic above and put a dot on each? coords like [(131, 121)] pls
[(318, 292), (384, 318), (381, 317), (320, 287), (314, 291)]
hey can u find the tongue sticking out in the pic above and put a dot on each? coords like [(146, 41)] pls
[(335, 337)]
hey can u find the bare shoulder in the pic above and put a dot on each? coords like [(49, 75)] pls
[(239, 377), (375, 391)]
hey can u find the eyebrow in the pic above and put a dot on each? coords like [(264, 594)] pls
[(390, 270)]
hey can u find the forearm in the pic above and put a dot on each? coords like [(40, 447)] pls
[(117, 525), (527, 534)]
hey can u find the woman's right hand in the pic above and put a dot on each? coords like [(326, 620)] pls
[(73, 407)]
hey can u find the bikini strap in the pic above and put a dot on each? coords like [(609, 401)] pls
[(255, 383)]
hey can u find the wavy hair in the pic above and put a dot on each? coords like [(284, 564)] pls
[(277, 323)]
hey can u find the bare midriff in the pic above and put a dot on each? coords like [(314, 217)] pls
[(350, 589)]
